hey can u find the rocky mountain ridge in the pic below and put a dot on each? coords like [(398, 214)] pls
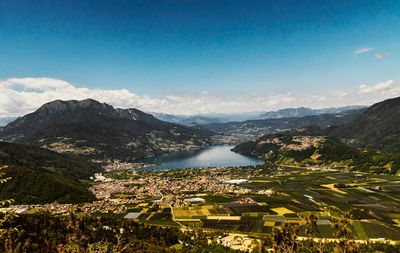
[(100, 131)]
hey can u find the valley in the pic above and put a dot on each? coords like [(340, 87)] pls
[(247, 200), (206, 126), (127, 166)]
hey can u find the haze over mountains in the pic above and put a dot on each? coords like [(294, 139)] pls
[(253, 129), (211, 118), (5, 120), (203, 119), (304, 111)]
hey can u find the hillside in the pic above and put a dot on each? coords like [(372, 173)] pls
[(253, 129), (42, 176), (304, 111), (98, 130), (305, 150), (378, 127)]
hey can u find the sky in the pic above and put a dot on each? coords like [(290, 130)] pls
[(199, 57)]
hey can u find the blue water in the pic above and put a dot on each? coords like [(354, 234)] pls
[(215, 156)]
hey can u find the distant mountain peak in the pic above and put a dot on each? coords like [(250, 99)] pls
[(305, 111)]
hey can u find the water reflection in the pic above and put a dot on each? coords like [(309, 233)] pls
[(216, 156)]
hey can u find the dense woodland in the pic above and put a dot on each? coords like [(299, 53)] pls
[(42, 176)]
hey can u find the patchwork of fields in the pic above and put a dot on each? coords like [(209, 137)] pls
[(371, 200)]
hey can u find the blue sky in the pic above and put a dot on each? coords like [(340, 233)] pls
[(167, 48)]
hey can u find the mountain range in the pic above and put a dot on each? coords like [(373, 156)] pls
[(205, 119), (304, 111), (369, 141), (78, 130), (100, 131), (253, 129)]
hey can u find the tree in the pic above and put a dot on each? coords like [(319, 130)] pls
[(284, 238), (3, 214), (312, 231), (344, 235)]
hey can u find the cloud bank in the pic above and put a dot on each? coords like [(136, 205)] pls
[(19, 96)]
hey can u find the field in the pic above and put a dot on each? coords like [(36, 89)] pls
[(371, 200)]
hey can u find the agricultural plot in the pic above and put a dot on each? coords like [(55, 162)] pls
[(376, 230), (371, 200), (215, 199), (198, 212), (282, 210), (161, 218), (253, 226), (238, 209)]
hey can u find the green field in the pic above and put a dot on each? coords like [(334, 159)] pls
[(371, 201)]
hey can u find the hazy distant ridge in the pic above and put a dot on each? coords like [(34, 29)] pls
[(211, 118)]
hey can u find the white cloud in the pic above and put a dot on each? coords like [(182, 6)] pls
[(388, 87), (381, 55), (19, 96), (22, 95), (363, 50)]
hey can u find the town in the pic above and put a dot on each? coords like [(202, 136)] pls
[(245, 201)]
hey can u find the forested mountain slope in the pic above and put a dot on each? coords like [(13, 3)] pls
[(98, 130), (42, 176)]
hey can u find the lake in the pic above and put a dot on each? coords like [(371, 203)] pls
[(215, 156)]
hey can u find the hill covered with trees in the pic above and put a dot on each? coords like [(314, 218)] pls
[(42, 176), (293, 148), (377, 127)]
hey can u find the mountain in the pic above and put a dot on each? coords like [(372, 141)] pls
[(98, 130), (212, 118), (304, 111), (187, 120), (297, 149), (368, 140), (5, 120), (377, 127), (42, 176), (204, 119), (253, 129)]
